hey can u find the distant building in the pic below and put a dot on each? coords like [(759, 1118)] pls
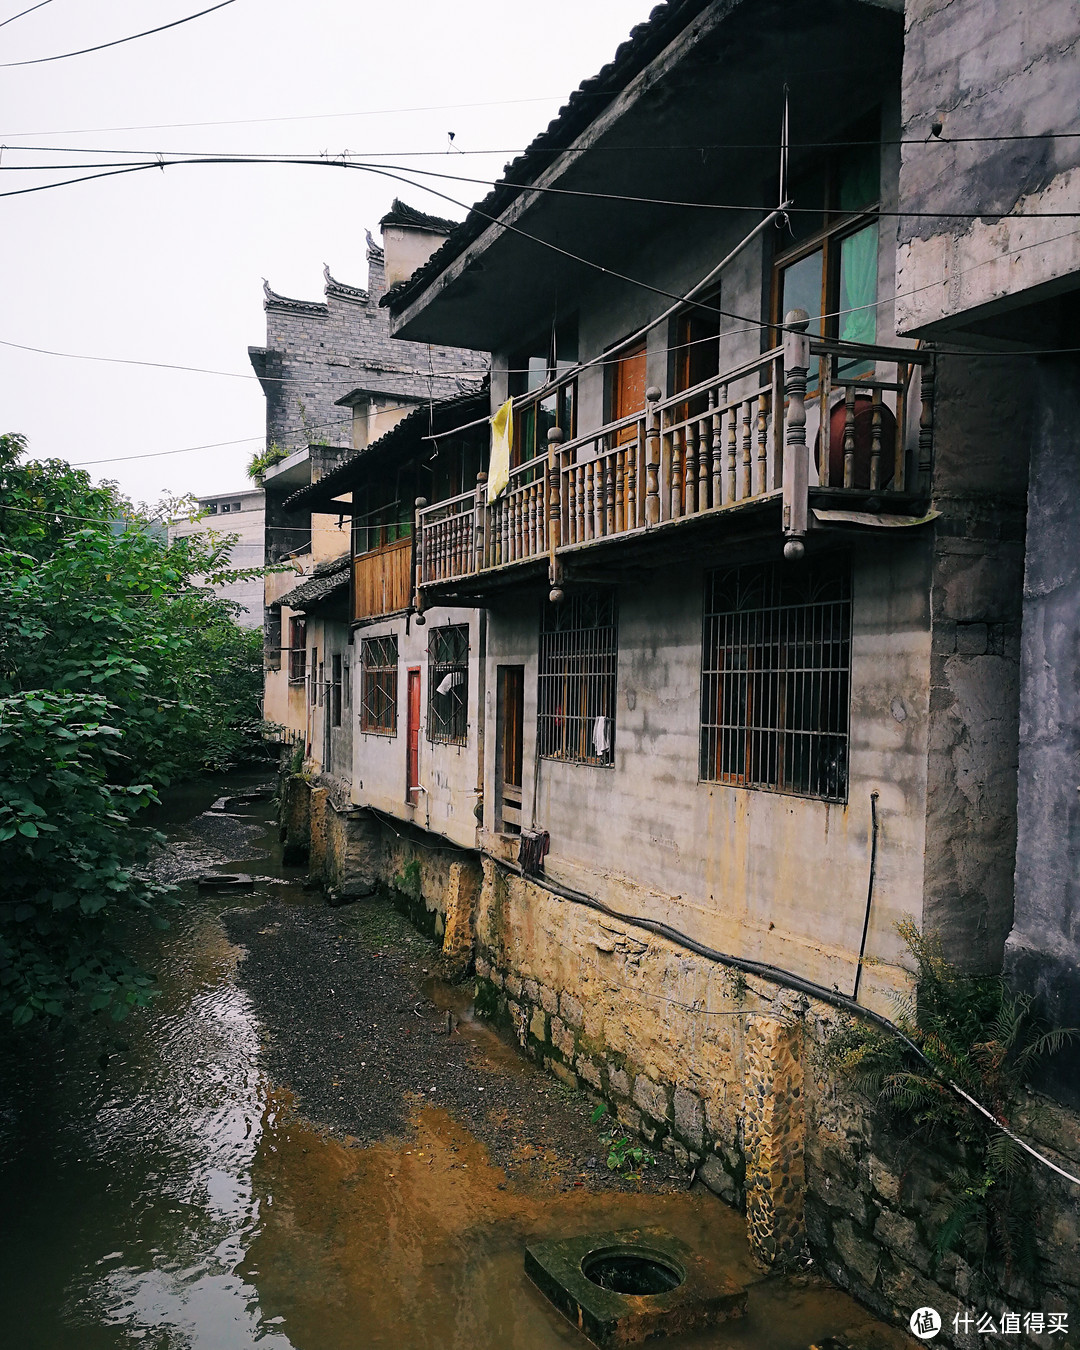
[(243, 514)]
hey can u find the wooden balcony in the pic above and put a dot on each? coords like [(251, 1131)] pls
[(382, 580), (861, 440)]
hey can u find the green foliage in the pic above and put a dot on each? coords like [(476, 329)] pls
[(262, 460), (119, 672), (622, 1154), (980, 1035)]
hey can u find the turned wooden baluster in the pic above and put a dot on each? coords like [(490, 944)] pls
[(849, 436), (732, 443), (419, 575), (926, 430), (534, 524), (652, 458), (582, 486), (676, 443), (691, 468), (620, 490), (762, 442), (716, 448), (479, 513), (796, 465), (609, 493), (875, 442), (747, 442), (598, 499), (631, 514), (587, 513), (504, 529)]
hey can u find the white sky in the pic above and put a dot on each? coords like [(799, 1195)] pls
[(166, 266)]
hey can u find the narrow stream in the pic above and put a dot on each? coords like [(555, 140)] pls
[(159, 1191)]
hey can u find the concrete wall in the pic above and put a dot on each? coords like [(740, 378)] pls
[(449, 774), (986, 68), (247, 523), (1044, 947), (767, 875)]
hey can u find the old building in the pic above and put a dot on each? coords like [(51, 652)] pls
[(334, 380), (757, 660), (240, 514)]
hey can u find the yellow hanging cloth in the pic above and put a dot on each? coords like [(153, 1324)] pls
[(502, 441)]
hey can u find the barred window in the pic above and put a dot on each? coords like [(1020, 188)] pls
[(448, 684), (335, 691), (378, 685), (297, 650), (576, 679), (776, 678)]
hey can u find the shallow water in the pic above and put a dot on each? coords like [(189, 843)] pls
[(160, 1191)]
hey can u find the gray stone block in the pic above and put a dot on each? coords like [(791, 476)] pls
[(619, 1080), (689, 1117), (651, 1097), (549, 999), (571, 1010)]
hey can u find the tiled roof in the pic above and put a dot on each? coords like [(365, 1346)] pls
[(645, 42), (401, 213), (327, 578), (445, 415)]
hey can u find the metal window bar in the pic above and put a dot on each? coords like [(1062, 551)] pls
[(297, 650), (776, 678), (448, 685), (577, 679), (378, 685)]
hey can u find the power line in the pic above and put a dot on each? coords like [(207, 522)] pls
[(298, 117), (83, 51), (40, 5), (344, 161)]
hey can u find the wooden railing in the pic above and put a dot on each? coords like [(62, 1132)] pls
[(382, 581), (747, 435)]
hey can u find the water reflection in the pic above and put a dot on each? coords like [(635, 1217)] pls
[(164, 1194)]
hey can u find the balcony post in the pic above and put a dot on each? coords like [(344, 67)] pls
[(796, 468), (652, 457), (554, 477), (418, 560), (479, 524), (926, 426)]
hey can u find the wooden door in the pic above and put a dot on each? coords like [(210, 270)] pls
[(412, 739), (628, 389), (511, 686)]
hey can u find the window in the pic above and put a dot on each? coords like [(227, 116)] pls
[(576, 679), (297, 650), (448, 684), (695, 335), (335, 691), (831, 268), (383, 510), (775, 678), (313, 677), (346, 684), (378, 685), (534, 418)]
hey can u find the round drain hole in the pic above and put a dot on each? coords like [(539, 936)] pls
[(632, 1270)]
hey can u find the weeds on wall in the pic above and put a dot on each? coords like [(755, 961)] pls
[(263, 460), (979, 1034)]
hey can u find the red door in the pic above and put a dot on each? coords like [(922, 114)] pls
[(412, 740)]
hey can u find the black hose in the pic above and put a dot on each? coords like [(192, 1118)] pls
[(869, 891)]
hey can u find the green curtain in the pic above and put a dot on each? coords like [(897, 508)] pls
[(858, 285)]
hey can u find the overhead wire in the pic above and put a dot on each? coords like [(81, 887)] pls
[(117, 42), (22, 13)]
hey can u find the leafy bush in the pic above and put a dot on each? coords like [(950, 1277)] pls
[(120, 671), (977, 1033)]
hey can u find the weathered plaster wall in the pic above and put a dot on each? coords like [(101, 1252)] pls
[(980, 477), (1043, 954), (247, 524), (986, 68), (329, 746), (449, 774), (735, 867)]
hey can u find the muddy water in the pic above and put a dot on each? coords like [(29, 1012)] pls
[(159, 1191)]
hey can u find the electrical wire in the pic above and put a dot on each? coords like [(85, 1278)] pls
[(63, 56), (346, 161), (41, 5)]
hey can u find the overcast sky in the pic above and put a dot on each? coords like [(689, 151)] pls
[(166, 266)]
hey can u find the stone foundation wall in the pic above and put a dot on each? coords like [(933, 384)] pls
[(722, 1071)]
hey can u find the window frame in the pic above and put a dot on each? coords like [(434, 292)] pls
[(764, 665), (297, 649), (379, 685), (451, 728), (335, 689), (567, 647)]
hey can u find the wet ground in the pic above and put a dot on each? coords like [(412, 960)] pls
[(307, 1142)]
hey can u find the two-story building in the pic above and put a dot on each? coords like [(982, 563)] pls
[(745, 607)]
